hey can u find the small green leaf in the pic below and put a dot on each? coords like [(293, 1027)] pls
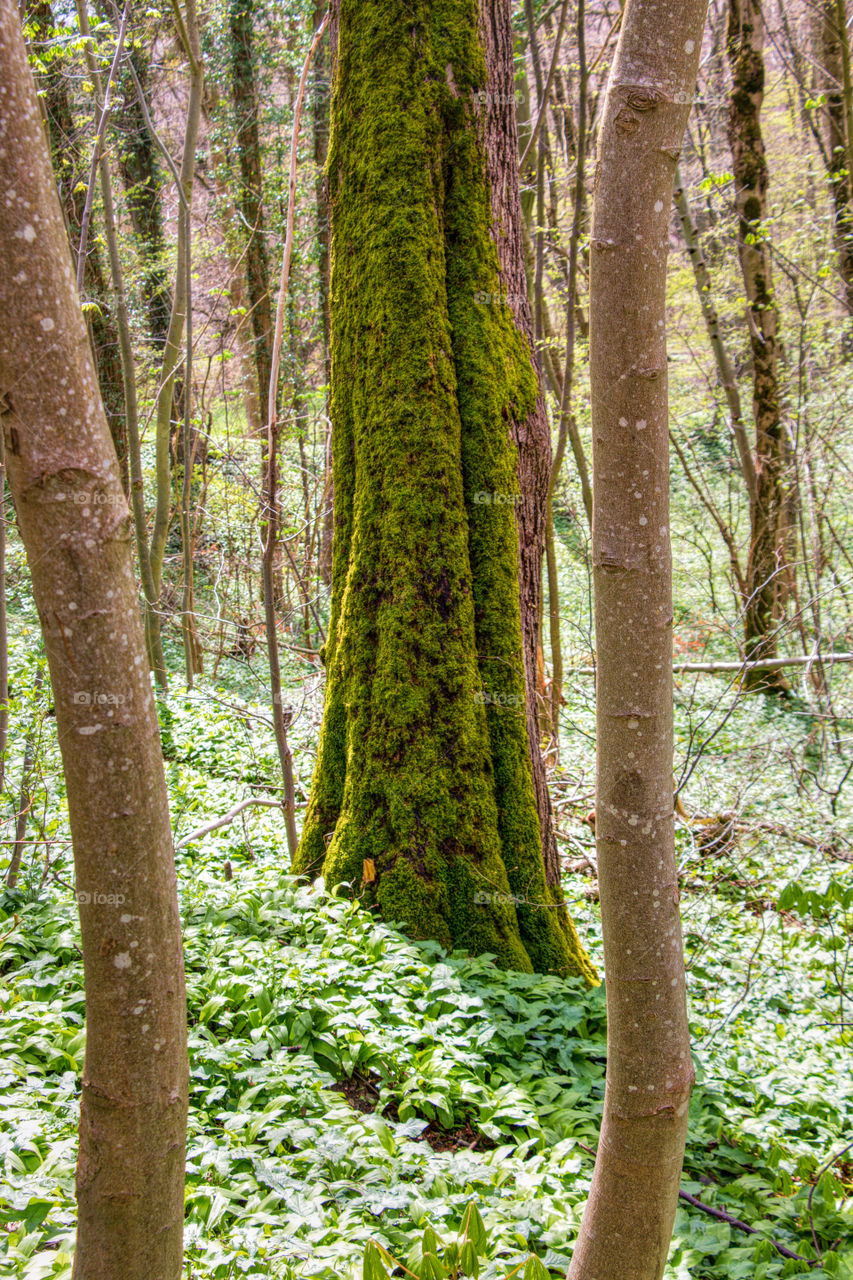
[(373, 1267)]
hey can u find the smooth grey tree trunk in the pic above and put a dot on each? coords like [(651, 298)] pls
[(76, 528)]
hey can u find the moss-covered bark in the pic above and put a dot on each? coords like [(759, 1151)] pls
[(423, 797)]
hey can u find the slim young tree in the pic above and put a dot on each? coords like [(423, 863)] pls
[(186, 23), (628, 1218), (425, 789), (75, 525), (242, 15), (139, 165), (766, 563)]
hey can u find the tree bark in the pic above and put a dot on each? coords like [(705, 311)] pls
[(70, 171), (153, 638), (187, 23), (530, 433), (627, 1222), (75, 526), (250, 188), (424, 784), (320, 133), (766, 563), (835, 129)]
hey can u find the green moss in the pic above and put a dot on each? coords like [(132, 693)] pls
[(422, 797)]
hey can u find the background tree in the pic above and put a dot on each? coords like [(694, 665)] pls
[(140, 167), (768, 559), (250, 187)]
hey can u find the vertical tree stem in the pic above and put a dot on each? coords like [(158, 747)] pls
[(280, 717), (627, 1222)]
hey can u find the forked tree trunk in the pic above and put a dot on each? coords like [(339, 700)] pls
[(628, 1218), (766, 565), (69, 166), (424, 787), (75, 526)]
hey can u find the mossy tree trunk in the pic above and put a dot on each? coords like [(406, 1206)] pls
[(766, 564), (75, 527), (425, 793)]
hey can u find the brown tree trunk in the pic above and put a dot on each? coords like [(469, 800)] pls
[(75, 526), (766, 563), (628, 1218), (530, 433)]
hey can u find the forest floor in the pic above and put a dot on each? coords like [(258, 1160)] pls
[(348, 1085)]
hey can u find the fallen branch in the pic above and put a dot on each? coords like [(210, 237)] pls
[(216, 823), (763, 664), (722, 1216)]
